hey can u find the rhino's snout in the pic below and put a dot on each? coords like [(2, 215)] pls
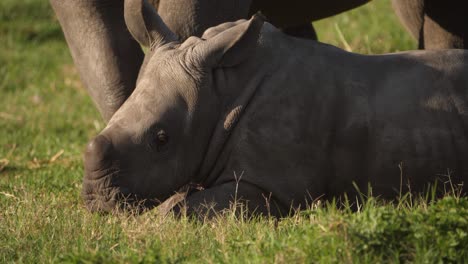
[(105, 183), (100, 191)]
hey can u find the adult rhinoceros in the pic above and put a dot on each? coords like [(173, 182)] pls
[(295, 118), (108, 59), (435, 24)]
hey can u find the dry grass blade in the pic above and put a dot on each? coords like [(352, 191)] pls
[(3, 164), (171, 202), (56, 156), (8, 195), (342, 39), (8, 116)]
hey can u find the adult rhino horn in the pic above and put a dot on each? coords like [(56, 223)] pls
[(145, 25)]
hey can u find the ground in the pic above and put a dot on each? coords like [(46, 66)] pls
[(46, 119)]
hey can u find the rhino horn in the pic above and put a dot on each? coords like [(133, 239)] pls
[(145, 25)]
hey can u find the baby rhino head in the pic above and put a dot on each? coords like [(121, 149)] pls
[(156, 142)]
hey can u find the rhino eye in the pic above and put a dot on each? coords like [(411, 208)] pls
[(161, 139)]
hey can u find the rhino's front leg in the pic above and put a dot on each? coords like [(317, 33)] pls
[(445, 25), (244, 198), (107, 57), (435, 24)]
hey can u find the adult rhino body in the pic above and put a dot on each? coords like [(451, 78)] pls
[(435, 24), (108, 59), (192, 17), (295, 120)]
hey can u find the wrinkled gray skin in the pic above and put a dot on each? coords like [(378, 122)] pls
[(192, 17), (294, 119), (108, 59), (435, 24)]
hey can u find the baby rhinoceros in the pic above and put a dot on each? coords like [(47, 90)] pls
[(276, 122)]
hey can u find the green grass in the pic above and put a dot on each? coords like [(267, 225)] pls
[(46, 118), (372, 29)]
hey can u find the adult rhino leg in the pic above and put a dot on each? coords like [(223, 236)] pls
[(411, 15), (435, 24), (245, 198), (436, 37), (107, 57), (445, 25)]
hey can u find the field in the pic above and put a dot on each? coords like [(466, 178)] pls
[(46, 118)]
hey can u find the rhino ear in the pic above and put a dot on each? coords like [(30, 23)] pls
[(145, 25), (232, 46)]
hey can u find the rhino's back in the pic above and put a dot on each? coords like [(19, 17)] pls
[(418, 121), (314, 133)]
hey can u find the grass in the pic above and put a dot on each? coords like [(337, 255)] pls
[(46, 118)]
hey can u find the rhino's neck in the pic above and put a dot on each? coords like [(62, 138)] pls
[(236, 89)]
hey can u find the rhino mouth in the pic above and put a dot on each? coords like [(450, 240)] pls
[(100, 193), (113, 198), (103, 192)]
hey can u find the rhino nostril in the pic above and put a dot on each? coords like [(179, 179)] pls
[(98, 153)]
